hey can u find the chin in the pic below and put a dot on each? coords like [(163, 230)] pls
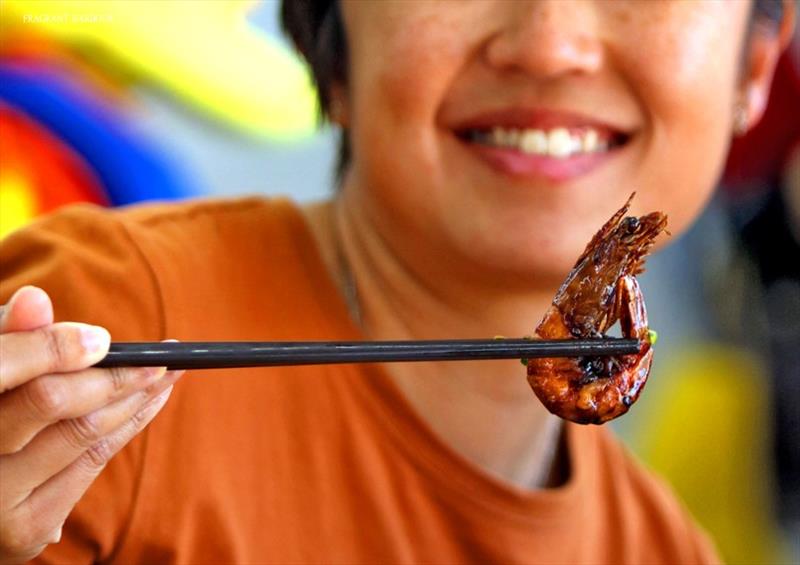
[(528, 264)]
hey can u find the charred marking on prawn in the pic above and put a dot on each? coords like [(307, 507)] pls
[(600, 290)]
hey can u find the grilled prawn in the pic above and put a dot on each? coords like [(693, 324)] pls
[(599, 290)]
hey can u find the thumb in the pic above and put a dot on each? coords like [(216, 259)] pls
[(29, 308)]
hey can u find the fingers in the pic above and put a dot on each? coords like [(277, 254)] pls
[(37, 521), (60, 444), (29, 308), (61, 420), (31, 407), (56, 348)]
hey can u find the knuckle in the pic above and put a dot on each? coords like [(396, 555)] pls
[(57, 346), (147, 412), (119, 378), (96, 457), (22, 540), (81, 432), (47, 397), (142, 416), (9, 539)]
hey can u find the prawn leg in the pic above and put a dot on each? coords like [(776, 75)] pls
[(630, 309), (633, 321)]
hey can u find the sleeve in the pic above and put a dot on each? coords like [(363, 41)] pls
[(94, 272)]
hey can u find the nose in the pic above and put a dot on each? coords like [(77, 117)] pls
[(547, 38)]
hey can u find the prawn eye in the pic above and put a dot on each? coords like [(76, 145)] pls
[(631, 224)]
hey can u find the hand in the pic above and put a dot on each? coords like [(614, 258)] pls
[(60, 420)]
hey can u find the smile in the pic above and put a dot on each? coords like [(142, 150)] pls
[(558, 142), (540, 144)]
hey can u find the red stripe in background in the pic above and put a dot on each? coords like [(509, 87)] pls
[(56, 175), (760, 156)]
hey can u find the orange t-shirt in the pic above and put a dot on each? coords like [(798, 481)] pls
[(300, 464)]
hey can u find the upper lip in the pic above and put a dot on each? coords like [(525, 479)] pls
[(536, 118)]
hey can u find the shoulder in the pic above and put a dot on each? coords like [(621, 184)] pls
[(186, 219), (192, 212), (85, 222), (212, 235), (103, 265), (647, 510), (84, 231)]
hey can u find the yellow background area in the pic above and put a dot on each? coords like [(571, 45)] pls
[(203, 51), (17, 204), (706, 436)]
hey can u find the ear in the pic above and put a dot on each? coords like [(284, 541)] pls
[(764, 49), (338, 108)]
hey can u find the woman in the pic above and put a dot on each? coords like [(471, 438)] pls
[(484, 143)]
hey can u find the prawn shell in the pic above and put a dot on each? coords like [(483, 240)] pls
[(597, 402), (600, 290)]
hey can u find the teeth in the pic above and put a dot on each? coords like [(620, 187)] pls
[(533, 141), (558, 142), (512, 137), (590, 141)]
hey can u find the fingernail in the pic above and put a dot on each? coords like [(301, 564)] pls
[(158, 401), (55, 537), (168, 379), (171, 377), (176, 374), (94, 338), (37, 294), (152, 373)]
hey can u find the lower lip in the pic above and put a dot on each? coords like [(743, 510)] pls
[(528, 166)]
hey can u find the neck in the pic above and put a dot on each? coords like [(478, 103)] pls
[(517, 438)]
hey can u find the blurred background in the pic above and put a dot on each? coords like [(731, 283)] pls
[(119, 102)]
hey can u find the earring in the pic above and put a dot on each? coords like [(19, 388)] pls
[(741, 120)]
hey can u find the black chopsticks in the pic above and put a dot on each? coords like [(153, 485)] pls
[(220, 354)]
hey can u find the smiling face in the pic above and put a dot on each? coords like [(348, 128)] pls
[(503, 134)]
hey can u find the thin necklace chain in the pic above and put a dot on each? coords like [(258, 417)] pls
[(347, 280)]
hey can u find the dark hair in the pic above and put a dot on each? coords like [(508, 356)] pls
[(316, 29)]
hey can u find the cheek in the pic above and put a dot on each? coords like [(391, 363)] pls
[(683, 58), (402, 71), (401, 61), (688, 100)]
